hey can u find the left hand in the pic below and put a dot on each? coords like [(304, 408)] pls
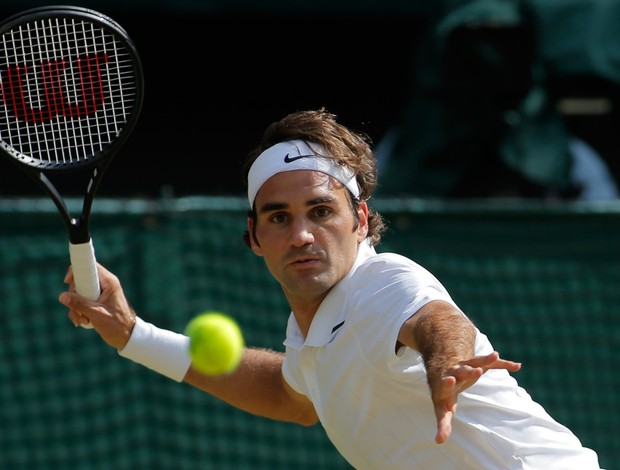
[(456, 379)]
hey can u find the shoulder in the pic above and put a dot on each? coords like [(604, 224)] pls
[(389, 278), (391, 264)]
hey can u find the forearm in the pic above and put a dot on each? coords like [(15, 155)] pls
[(256, 386), (444, 336)]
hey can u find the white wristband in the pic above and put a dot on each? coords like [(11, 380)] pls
[(160, 350)]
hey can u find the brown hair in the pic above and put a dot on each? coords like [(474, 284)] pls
[(347, 147)]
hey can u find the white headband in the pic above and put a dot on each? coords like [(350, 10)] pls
[(296, 155)]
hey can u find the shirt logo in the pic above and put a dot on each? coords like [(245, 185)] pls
[(288, 159), (337, 326), (334, 331)]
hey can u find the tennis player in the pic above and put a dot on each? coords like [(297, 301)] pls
[(376, 350)]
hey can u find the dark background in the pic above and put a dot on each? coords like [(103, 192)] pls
[(217, 75), (215, 80)]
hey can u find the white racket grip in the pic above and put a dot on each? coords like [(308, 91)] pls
[(85, 275)]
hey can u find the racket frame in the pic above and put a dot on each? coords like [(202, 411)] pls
[(78, 228)]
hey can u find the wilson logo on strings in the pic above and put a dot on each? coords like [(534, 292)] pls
[(49, 82)]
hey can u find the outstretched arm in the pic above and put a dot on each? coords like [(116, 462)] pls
[(445, 338), (257, 385)]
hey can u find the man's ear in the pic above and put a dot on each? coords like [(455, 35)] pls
[(362, 214), (255, 246)]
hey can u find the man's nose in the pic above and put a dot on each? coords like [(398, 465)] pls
[(302, 232)]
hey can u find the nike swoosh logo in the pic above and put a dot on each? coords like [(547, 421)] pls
[(335, 328), (288, 159), (334, 332)]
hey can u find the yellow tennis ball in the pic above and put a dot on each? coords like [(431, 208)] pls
[(216, 343)]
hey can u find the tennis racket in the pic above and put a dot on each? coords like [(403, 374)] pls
[(72, 89)]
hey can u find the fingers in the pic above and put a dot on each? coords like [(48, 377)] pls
[(492, 361), (78, 313), (482, 361), (106, 278), (111, 315), (445, 410), (77, 305), (444, 427), (69, 276), (78, 320), (467, 372), (74, 316)]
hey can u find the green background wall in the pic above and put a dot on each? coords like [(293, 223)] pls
[(542, 281)]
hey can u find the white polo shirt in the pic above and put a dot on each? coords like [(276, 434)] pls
[(374, 403)]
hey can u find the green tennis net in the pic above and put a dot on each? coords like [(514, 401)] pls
[(542, 281)]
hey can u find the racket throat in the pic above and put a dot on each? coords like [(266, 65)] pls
[(78, 228), (79, 232)]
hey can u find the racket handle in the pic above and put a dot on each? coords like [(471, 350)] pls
[(85, 275)]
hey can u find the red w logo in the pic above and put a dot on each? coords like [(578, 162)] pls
[(20, 94)]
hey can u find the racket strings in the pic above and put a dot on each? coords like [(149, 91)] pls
[(68, 90)]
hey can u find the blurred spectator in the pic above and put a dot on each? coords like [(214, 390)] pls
[(481, 122)]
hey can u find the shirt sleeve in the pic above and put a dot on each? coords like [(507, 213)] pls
[(291, 371), (394, 289)]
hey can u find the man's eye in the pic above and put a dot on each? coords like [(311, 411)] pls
[(322, 211), (278, 218)]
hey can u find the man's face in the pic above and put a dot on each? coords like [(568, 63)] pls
[(306, 232)]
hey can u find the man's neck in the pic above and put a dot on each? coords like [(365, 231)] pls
[(304, 312)]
